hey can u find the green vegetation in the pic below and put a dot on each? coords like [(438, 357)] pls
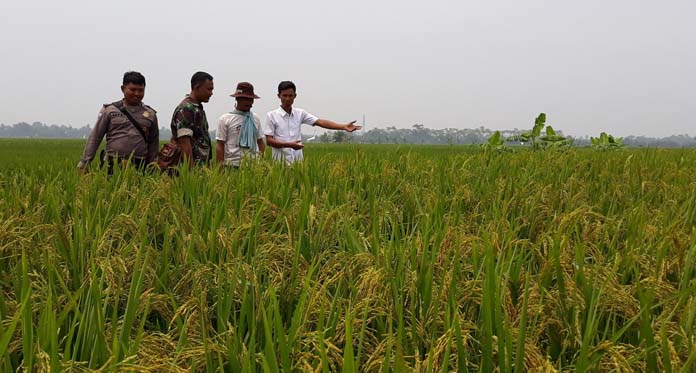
[(533, 137), (553, 140), (536, 140), (363, 258), (495, 142), (607, 142)]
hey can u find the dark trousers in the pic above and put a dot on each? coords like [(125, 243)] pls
[(109, 161)]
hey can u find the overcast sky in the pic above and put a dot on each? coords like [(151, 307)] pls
[(625, 67)]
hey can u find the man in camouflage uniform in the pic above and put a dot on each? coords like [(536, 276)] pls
[(124, 141), (189, 123)]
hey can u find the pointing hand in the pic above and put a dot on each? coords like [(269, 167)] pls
[(350, 127)]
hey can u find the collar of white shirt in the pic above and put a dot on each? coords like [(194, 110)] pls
[(285, 113)]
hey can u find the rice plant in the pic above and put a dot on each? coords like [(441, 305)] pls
[(362, 258)]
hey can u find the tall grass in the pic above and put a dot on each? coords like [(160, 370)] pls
[(363, 258)]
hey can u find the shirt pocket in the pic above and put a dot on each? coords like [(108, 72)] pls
[(119, 125), (282, 128), (233, 134)]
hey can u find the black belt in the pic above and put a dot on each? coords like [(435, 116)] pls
[(107, 159)]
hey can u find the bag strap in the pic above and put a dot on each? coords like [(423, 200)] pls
[(119, 105)]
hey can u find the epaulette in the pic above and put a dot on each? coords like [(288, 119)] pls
[(117, 104), (148, 107)]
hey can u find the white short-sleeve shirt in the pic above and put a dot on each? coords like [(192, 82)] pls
[(284, 126), (228, 130)]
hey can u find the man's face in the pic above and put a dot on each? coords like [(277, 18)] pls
[(287, 97), (133, 93), (204, 90), (244, 103)]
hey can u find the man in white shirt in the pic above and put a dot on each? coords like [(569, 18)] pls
[(283, 132), (239, 132)]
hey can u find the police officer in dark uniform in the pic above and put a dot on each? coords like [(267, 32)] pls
[(130, 127)]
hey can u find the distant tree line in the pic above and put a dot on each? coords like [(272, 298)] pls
[(54, 131), (416, 134)]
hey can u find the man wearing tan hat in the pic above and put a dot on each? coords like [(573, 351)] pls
[(239, 131)]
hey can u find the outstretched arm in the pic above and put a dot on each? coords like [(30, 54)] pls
[(348, 127)]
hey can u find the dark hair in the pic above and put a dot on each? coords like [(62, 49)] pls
[(199, 78), (133, 77), (286, 84)]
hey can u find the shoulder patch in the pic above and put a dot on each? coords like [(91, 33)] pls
[(116, 104)]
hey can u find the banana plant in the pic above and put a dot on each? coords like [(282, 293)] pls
[(607, 142), (495, 142), (531, 136), (553, 140), (536, 140)]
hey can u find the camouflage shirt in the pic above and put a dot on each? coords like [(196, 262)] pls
[(189, 120)]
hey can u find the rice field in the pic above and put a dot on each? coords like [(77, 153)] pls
[(362, 258)]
